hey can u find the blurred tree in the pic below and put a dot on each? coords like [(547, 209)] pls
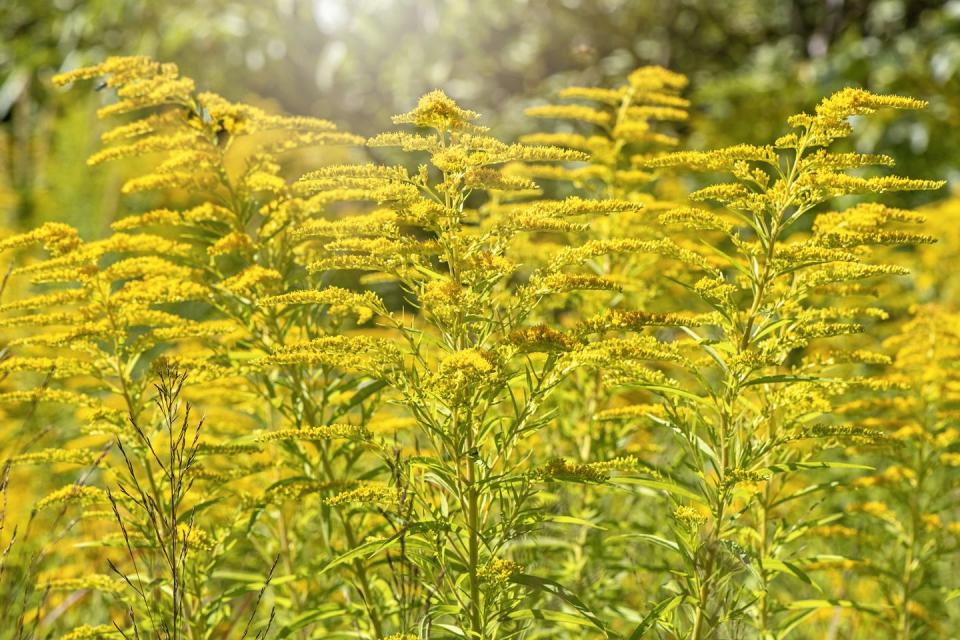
[(358, 61), (44, 143)]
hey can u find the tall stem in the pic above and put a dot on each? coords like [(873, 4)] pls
[(703, 597), (763, 275), (764, 585), (473, 527), (906, 577), (358, 567), (903, 632)]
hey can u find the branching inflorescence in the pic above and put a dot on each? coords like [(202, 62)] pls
[(487, 389)]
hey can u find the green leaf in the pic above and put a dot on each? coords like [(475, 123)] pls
[(770, 327), (830, 604), (451, 628), (239, 576), (791, 569), (310, 617), (783, 378), (659, 485), (799, 466), (365, 550), (574, 521), (657, 540), (791, 622), (651, 618), (365, 391), (672, 391), (197, 508), (555, 588), (552, 616), (713, 353), (733, 263), (813, 488)]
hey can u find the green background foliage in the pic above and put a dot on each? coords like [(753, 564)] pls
[(751, 64)]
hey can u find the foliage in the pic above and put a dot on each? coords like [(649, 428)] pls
[(442, 399)]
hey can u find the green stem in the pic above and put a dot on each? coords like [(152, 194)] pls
[(764, 600), (903, 633), (473, 521), (703, 597), (359, 569)]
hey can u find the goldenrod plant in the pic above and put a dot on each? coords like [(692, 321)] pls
[(226, 157), (617, 124), (740, 398), (589, 548), (458, 387), (471, 366), (906, 505)]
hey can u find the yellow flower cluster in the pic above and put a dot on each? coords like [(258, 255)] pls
[(83, 495), (82, 457), (498, 571), (689, 517), (465, 373), (362, 305), (622, 121), (325, 432), (90, 632), (97, 582), (518, 359), (367, 493)]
